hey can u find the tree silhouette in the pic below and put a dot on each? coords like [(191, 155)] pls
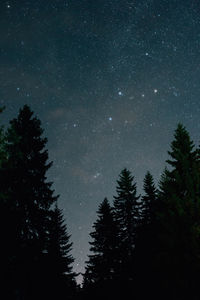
[(126, 211), (149, 200), (8, 226), (150, 248), (60, 260), (179, 219), (28, 199), (101, 264), (146, 239)]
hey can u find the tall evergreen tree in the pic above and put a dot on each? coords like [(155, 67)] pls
[(7, 225), (60, 275), (146, 238), (180, 218), (101, 265), (148, 202), (126, 210), (29, 198)]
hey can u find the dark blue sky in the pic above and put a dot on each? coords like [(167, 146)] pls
[(109, 80)]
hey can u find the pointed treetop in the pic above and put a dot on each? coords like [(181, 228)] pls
[(181, 146), (125, 183), (104, 204), (149, 185), (26, 121)]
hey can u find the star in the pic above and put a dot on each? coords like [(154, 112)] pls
[(96, 175), (155, 91), (110, 118), (120, 93)]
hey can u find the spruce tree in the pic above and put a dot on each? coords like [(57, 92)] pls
[(101, 265), (29, 198), (146, 238), (179, 218), (148, 201), (7, 227), (59, 270), (127, 215)]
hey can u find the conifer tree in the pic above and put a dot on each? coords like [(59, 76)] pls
[(29, 198), (101, 265), (7, 225), (179, 217), (146, 238), (126, 209), (60, 269), (148, 202)]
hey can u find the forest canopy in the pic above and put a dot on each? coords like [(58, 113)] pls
[(147, 245)]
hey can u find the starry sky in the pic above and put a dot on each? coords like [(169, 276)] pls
[(110, 80)]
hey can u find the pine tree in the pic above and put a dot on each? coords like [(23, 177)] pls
[(179, 218), (7, 226), (146, 238), (148, 202), (183, 163), (60, 270), (127, 215), (29, 198), (101, 265)]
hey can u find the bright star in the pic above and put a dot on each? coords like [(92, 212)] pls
[(96, 175), (110, 118), (120, 93), (155, 91)]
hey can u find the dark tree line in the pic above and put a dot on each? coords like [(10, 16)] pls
[(149, 246), (35, 260), (141, 246)]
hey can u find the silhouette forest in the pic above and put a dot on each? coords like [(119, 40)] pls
[(141, 246)]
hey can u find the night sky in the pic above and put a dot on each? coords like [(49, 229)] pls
[(110, 80)]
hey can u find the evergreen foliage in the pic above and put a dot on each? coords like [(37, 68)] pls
[(148, 203), (101, 264), (179, 217), (26, 200), (148, 246), (127, 216), (146, 239), (60, 260)]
